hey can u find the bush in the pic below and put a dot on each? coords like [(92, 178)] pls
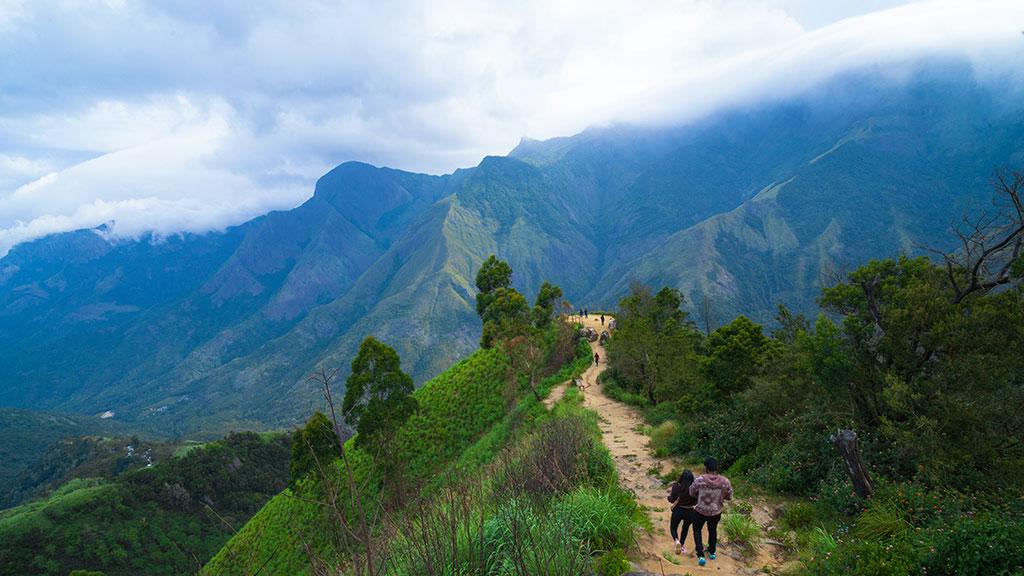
[(798, 515), (663, 433), (974, 546), (882, 522), (867, 558), (612, 563), (741, 531), (603, 519)]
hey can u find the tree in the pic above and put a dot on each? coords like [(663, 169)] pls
[(654, 349), (736, 352), (545, 306), (526, 358), (313, 446), (493, 275), (507, 316), (378, 395), (991, 246)]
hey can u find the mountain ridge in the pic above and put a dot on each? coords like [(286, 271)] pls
[(750, 206)]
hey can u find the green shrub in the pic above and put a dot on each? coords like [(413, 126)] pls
[(821, 543), (867, 558), (798, 515), (663, 433), (741, 531), (612, 563), (602, 518), (988, 545), (882, 522)]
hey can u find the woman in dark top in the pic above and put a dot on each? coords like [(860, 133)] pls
[(682, 509)]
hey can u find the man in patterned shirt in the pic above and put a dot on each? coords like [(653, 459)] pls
[(712, 490)]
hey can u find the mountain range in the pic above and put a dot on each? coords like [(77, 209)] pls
[(198, 334)]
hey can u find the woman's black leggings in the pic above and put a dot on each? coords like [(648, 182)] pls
[(684, 515)]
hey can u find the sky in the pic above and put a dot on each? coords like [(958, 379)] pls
[(172, 116)]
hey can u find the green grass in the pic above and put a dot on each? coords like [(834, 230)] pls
[(741, 531), (458, 410)]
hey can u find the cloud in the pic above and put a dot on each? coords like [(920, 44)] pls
[(173, 116)]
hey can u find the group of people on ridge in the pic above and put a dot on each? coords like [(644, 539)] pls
[(698, 502)]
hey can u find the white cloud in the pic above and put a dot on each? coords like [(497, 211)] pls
[(181, 116)]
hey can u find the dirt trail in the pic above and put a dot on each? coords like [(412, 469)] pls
[(622, 432)]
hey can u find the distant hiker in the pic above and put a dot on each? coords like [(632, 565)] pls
[(602, 319), (712, 490), (580, 314), (682, 509), (586, 313), (597, 359)]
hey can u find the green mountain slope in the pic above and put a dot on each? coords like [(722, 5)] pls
[(203, 334), (164, 519)]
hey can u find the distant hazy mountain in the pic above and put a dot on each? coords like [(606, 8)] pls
[(214, 332)]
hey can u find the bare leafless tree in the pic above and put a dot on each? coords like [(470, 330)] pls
[(990, 243), (706, 312)]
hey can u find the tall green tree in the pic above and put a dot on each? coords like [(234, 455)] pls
[(493, 275), (378, 395), (736, 353), (314, 444), (654, 349), (507, 316), (546, 305)]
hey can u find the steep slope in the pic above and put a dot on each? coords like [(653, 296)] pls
[(202, 334), (138, 324), (895, 181)]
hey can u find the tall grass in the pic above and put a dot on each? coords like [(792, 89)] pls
[(741, 531)]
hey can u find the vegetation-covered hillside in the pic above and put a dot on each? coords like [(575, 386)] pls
[(921, 359), (750, 207), (164, 519), (481, 477)]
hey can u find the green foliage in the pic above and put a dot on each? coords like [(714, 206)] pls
[(653, 353), (156, 520), (378, 394), (549, 297), (612, 563), (976, 546), (493, 274), (736, 352), (314, 447), (663, 433), (798, 515), (507, 315), (741, 531), (603, 518)]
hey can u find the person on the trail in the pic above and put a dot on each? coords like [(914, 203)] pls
[(586, 313), (712, 490), (602, 319), (682, 509), (597, 359)]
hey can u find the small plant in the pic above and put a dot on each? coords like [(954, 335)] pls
[(741, 531), (882, 522), (798, 515), (661, 434), (612, 563), (821, 543)]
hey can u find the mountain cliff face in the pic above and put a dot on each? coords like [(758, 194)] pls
[(205, 333)]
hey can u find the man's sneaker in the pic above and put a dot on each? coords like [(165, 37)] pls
[(712, 556), (700, 561)]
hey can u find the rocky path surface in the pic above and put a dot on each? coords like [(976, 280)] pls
[(622, 430)]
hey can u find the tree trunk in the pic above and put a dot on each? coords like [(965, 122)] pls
[(846, 442)]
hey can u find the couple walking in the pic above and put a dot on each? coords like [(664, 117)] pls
[(696, 502)]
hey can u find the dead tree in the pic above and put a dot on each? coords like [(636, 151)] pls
[(990, 244), (846, 442)]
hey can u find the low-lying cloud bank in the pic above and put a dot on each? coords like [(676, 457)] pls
[(171, 117)]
